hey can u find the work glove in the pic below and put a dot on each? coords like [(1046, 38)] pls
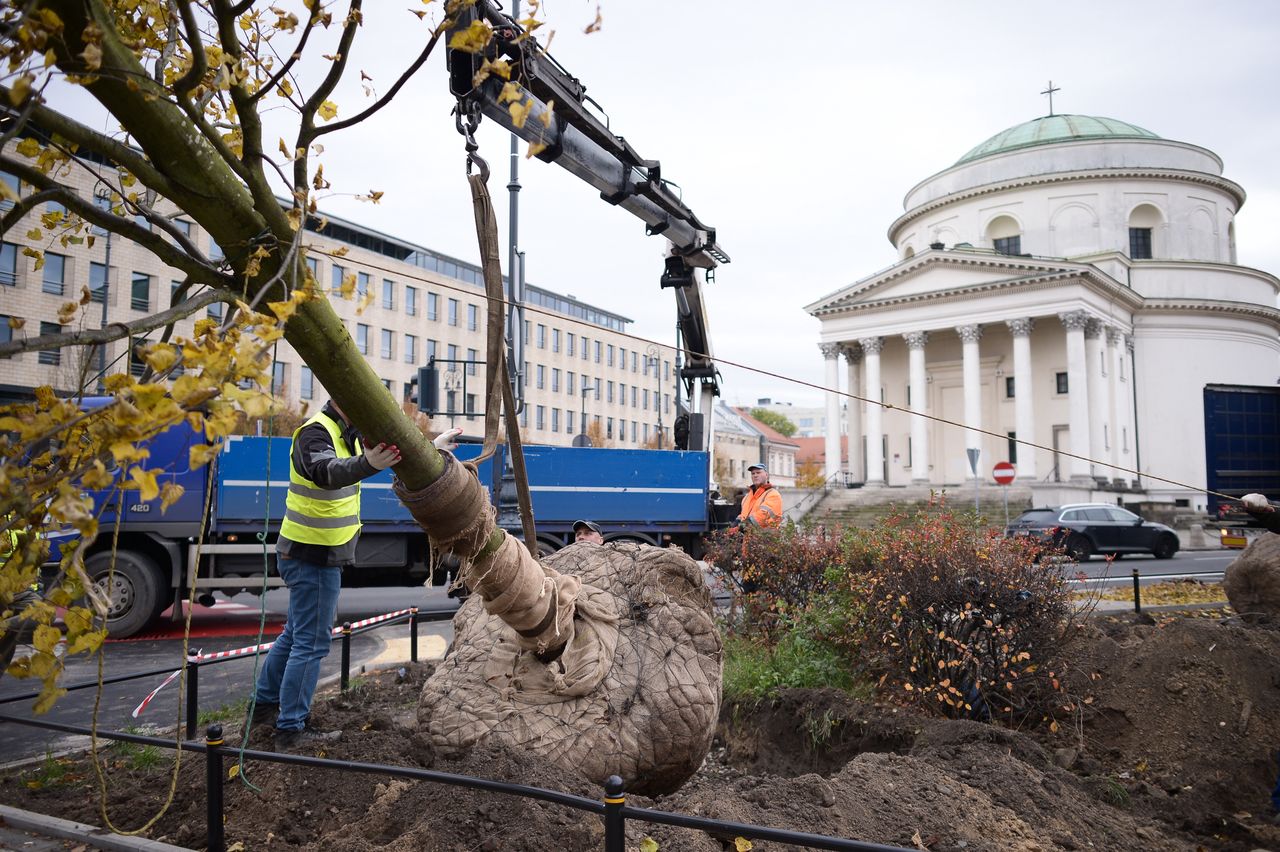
[(382, 456), (1255, 501), (447, 440)]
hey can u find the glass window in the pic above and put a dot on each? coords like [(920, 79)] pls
[(8, 264), (137, 366), (568, 384), (183, 226), (1007, 245), (306, 383), (452, 353), (622, 393), (471, 405), (216, 311), (542, 336), (388, 294), (634, 359), (173, 291), (584, 347), (1140, 243), (472, 355), (50, 356), (6, 333), (362, 284), (336, 274), (1123, 516), (433, 306), (453, 312), (555, 340), (140, 292), (279, 376), (596, 388), (555, 380), (1009, 389), (362, 338), (411, 349), (313, 266), (1060, 381), (541, 421), (634, 395), (568, 421), (542, 377), (555, 420), (387, 347), (1073, 515), (1012, 449), (215, 250), (411, 301), (598, 347), (14, 184), (622, 358), (569, 344), (608, 429), (609, 360), (473, 317), (431, 349), (54, 272), (609, 393)]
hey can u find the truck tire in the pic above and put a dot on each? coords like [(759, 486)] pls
[(136, 590)]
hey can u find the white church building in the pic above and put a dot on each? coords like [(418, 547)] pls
[(1070, 283)]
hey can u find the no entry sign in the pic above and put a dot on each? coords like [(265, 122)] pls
[(1003, 472)]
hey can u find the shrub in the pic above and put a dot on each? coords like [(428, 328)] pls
[(963, 621)]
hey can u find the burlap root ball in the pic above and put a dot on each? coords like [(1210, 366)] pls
[(1252, 582), (635, 694)]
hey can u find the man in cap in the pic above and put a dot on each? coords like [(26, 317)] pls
[(587, 531), (762, 505)]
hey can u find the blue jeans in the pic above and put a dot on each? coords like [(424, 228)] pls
[(292, 668)]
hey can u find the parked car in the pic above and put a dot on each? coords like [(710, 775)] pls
[(1084, 529)]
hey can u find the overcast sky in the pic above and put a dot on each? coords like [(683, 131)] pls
[(796, 134)]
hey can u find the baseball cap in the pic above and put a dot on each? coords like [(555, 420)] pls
[(757, 466), (591, 525)]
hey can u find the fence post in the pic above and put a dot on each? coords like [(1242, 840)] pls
[(1137, 595), (615, 830), (216, 838), (346, 654), (193, 693), (413, 634)]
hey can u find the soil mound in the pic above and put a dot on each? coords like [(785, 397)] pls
[(1170, 753)]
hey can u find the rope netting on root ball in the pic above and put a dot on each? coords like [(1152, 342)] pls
[(603, 658)]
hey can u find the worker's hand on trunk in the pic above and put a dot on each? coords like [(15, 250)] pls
[(382, 456), (447, 440)]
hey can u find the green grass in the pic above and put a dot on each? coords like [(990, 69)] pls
[(754, 670), (231, 712), (48, 773)]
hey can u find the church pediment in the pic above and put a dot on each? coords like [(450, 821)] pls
[(940, 273)]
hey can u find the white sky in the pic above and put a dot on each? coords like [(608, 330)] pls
[(798, 137)]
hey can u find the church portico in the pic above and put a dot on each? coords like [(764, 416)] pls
[(1071, 284)]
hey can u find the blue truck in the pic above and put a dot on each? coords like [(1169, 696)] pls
[(656, 497)]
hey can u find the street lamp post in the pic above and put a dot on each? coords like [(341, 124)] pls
[(582, 426), (102, 193)]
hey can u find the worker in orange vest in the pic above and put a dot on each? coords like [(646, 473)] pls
[(762, 505)]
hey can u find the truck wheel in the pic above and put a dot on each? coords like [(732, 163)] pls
[(135, 590)]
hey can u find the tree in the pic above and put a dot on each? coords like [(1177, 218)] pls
[(809, 474), (189, 84), (775, 421)]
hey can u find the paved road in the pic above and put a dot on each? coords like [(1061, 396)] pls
[(229, 625), (1152, 570)]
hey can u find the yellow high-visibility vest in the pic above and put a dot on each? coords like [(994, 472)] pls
[(315, 515)]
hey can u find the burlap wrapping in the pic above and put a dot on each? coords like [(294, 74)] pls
[(635, 693), (1252, 581), (454, 510)]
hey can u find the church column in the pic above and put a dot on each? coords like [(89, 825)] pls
[(853, 409), (1024, 411), (1130, 416), (1099, 397), (1114, 371), (1077, 393), (971, 334), (831, 353), (875, 430), (916, 341)]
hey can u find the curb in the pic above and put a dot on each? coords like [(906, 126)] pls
[(99, 838)]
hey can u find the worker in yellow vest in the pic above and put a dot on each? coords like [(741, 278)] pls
[(317, 538)]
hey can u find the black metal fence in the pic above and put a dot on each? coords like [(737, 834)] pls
[(612, 806)]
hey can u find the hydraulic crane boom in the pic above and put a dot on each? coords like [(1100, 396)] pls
[(576, 139)]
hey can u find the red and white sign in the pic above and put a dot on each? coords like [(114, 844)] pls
[(1003, 473)]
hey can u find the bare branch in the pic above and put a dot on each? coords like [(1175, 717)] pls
[(25, 206), (275, 79), (307, 132), (116, 330), (386, 99), (199, 64)]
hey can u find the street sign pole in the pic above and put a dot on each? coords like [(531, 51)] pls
[(1003, 473), (973, 453), (1005, 489)]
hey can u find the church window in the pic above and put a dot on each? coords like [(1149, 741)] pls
[(1013, 447), (1008, 245), (1061, 382), (1008, 387), (1140, 243)]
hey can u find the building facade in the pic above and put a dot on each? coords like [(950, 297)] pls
[(411, 304), (810, 422), (1070, 283)]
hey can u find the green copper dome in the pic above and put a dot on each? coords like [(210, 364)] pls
[(1051, 129)]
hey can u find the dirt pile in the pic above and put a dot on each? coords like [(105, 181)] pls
[(1171, 754)]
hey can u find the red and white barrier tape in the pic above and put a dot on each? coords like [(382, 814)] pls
[(240, 652)]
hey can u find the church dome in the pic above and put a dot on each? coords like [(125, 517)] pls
[(1051, 129)]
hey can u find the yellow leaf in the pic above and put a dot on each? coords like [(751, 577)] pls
[(328, 110), (20, 89), (234, 771), (473, 39), (45, 638), (535, 148), (92, 56), (742, 844), (28, 147), (648, 845), (146, 482), (594, 26), (510, 93), (201, 454), (520, 112), (548, 113), (170, 494)]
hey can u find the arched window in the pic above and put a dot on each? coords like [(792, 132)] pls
[(1005, 235), (908, 252), (1144, 222)]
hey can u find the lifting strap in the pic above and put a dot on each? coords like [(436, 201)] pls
[(498, 395)]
